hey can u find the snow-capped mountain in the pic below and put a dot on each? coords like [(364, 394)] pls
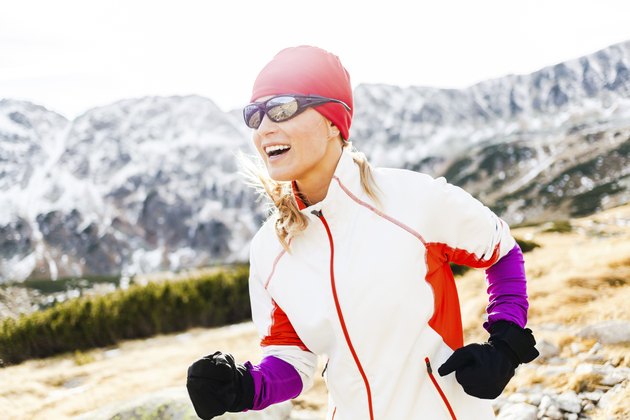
[(551, 144), (151, 183), (140, 185)]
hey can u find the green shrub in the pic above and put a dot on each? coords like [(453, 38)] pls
[(459, 270), (558, 226), (62, 284), (526, 245), (139, 311)]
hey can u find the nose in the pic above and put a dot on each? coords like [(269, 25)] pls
[(266, 126)]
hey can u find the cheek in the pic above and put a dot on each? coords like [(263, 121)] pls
[(311, 138), (315, 145), (257, 143)]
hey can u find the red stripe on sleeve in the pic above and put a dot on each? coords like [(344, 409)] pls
[(281, 332), (447, 318)]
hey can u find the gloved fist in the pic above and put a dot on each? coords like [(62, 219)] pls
[(217, 384), (483, 370)]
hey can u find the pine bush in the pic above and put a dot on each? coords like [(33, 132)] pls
[(137, 312)]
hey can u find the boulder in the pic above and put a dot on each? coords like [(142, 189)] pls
[(569, 401), (174, 404), (517, 411), (608, 332), (547, 350)]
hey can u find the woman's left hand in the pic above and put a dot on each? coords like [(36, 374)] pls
[(485, 369)]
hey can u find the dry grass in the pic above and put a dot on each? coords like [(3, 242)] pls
[(585, 382), (576, 278), (64, 386)]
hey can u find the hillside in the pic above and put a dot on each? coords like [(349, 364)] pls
[(151, 184), (576, 280)]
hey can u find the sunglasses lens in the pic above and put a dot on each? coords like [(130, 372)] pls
[(252, 115), (282, 108)]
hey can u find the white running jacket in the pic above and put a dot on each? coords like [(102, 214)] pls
[(370, 288)]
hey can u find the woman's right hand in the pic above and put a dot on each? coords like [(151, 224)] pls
[(217, 384)]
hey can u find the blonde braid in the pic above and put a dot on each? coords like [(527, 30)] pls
[(289, 219)]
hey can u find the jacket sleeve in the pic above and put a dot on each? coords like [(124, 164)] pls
[(466, 232), (278, 337), (507, 290), (462, 229)]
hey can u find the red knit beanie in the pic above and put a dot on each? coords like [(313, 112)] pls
[(307, 70)]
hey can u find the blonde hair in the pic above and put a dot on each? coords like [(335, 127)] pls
[(289, 219)]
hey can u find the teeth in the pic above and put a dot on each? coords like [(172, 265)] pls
[(276, 148)]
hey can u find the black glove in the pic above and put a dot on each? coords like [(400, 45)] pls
[(216, 384), (483, 370)]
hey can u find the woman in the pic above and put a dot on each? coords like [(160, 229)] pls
[(353, 265)]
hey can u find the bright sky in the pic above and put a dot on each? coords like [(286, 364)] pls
[(71, 55)]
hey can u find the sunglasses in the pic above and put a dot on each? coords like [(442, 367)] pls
[(283, 107)]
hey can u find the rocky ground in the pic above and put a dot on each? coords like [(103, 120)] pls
[(588, 378), (579, 287)]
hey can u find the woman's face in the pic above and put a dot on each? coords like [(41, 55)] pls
[(310, 140)]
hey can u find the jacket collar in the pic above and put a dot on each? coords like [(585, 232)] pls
[(346, 173)]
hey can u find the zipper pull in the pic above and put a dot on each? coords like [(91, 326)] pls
[(317, 213), (426, 360)]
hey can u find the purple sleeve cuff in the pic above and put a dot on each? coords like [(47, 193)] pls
[(274, 381), (507, 290)]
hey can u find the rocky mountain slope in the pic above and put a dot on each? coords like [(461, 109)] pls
[(551, 144), (151, 183)]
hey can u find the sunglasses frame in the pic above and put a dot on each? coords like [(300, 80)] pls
[(303, 101)]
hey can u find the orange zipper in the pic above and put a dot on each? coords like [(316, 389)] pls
[(340, 314), (439, 390)]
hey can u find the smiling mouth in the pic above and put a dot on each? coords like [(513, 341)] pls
[(277, 150)]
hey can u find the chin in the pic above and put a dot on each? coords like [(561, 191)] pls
[(280, 175), (281, 178)]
